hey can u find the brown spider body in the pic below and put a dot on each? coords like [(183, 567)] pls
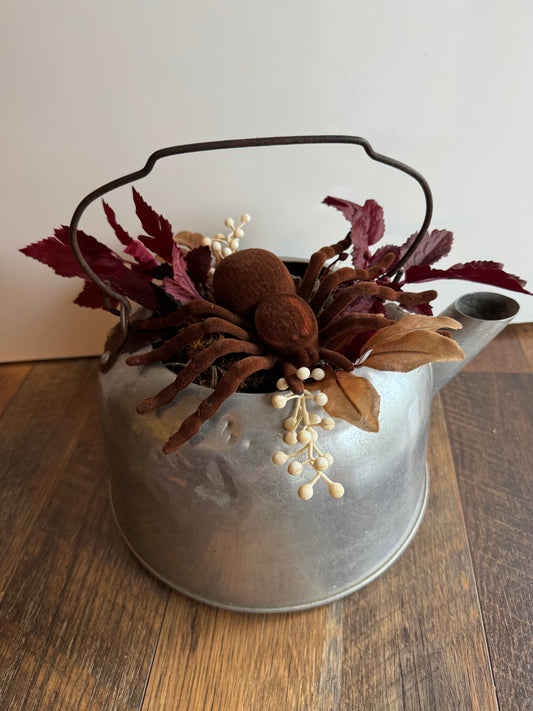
[(265, 317)]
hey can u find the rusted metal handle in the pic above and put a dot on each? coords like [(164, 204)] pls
[(229, 144)]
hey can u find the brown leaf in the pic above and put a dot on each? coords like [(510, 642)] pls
[(351, 398), (409, 350), (189, 239), (410, 322)]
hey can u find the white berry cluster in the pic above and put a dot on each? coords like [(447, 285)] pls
[(301, 429), (224, 245)]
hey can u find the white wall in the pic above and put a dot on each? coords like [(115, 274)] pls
[(91, 89)]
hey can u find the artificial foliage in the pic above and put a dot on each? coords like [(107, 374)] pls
[(238, 319)]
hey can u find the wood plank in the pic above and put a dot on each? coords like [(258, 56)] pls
[(37, 434), (385, 647), (507, 353), (414, 639), (216, 659), (489, 418), (79, 619), (12, 375), (525, 336)]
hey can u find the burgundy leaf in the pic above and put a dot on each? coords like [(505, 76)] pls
[(434, 246), (91, 296), (134, 285), (57, 253), (483, 272), (180, 286), (161, 271), (119, 231), (198, 264), (50, 251), (370, 221), (348, 209), (160, 239), (143, 256), (382, 251), (368, 225)]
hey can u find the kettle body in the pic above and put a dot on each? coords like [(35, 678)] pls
[(219, 521)]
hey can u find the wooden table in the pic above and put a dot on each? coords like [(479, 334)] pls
[(448, 626)]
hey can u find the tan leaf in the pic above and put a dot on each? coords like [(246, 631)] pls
[(350, 398), (188, 239), (363, 397), (409, 350), (411, 322)]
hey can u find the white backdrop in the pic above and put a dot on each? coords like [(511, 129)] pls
[(91, 89)]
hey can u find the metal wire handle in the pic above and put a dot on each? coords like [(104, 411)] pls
[(125, 306)]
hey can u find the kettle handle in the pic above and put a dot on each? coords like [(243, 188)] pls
[(125, 307)]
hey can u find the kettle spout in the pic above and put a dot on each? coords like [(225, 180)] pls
[(482, 316)]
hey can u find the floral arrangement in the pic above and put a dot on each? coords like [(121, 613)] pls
[(235, 319)]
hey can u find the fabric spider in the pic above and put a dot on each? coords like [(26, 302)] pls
[(263, 315)]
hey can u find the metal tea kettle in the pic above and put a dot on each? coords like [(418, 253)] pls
[(217, 520)]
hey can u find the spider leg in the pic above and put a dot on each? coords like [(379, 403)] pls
[(199, 307), (363, 288), (189, 335), (198, 364), (381, 267), (330, 282), (336, 359), (315, 265), (370, 288), (293, 381), (413, 298), (353, 323), (227, 385)]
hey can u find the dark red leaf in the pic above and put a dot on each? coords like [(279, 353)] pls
[(91, 296), (368, 225), (160, 239), (57, 253), (370, 222), (435, 245), (382, 251), (119, 231), (143, 256), (180, 286), (198, 264), (134, 285), (483, 272), (348, 209)]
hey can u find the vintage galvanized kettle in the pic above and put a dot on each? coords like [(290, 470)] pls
[(218, 521)]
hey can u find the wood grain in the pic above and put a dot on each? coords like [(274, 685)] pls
[(524, 333), (12, 375), (414, 639), (231, 660), (510, 352), (84, 627), (79, 619), (39, 430), (490, 420)]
